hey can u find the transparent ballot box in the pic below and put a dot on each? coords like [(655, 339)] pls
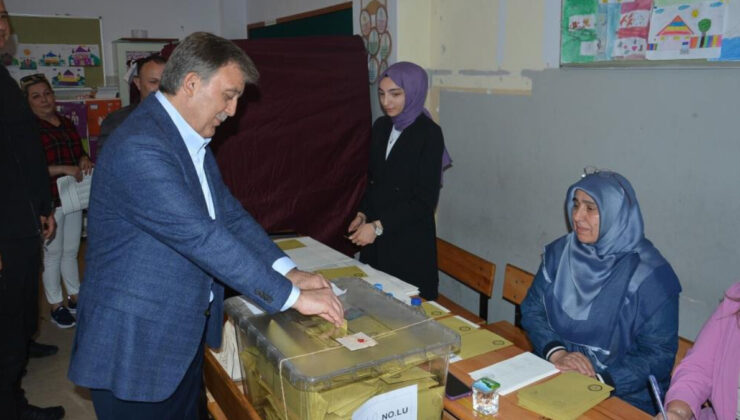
[(295, 368)]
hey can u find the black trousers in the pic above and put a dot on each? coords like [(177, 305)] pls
[(19, 290), (186, 403)]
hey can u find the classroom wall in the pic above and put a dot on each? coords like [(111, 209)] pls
[(162, 18), (520, 131)]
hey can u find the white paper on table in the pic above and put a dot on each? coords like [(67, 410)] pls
[(435, 304), (400, 404), (315, 256), (75, 196), (516, 372)]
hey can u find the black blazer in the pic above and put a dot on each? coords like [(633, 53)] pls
[(24, 177), (402, 193)]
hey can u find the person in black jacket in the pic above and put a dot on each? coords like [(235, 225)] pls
[(25, 217), (395, 222)]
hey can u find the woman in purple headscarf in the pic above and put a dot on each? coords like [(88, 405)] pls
[(395, 222)]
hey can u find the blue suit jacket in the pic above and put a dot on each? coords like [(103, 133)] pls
[(152, 253)]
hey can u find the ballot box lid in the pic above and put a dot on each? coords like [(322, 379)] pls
[(304, 349)]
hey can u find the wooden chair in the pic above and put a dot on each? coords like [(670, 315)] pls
[(230, 402), (516, 285), (470, 270)]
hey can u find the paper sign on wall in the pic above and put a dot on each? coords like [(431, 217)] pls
[(400, 404)]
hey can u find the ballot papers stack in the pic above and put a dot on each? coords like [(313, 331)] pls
[(564, 397), (311, 255), (386, 358)]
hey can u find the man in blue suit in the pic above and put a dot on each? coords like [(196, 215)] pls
[(162, 226)]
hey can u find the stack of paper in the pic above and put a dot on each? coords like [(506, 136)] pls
[(311, 255), (565, 397), (516, 372)]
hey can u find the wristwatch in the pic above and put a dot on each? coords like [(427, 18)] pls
[(378, 228)]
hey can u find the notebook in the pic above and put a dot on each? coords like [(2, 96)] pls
[(516, 372)]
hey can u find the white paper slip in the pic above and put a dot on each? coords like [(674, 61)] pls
[(356, 341), (516, 372), (337, 290), (75, 196), (441, 308)]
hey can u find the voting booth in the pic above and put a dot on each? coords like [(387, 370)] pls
[(387, 361)]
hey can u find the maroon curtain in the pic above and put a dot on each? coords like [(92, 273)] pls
[(296, 152)]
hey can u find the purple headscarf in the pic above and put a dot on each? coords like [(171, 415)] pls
[(414, 82)]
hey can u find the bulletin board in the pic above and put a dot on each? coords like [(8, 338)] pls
[(63, 30), (650, 32)]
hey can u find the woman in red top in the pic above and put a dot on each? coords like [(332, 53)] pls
[(64, 156)]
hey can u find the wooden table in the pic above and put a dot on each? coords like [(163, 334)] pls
[(462, 409)]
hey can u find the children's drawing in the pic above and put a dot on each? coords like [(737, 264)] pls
[(579, 42), (376, 35), (693, 29), (731, 37), (633, 30), (51, 59), (69, 77), (85, 55)]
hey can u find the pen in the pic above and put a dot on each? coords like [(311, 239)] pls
[(656, 391)]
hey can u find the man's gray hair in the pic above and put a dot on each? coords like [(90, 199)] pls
[(203, 53)]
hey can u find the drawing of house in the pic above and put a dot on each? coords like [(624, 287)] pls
[(82, 56), (50, 59), (67, 79), (674, 36), (27, 63)]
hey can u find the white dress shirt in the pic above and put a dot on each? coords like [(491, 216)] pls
[(395, 134), (196, 146)]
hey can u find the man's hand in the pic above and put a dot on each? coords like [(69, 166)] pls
[(305, 280), (48, 226), (573, 361), (321, 302)]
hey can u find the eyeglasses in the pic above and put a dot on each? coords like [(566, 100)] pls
[(32, 79)]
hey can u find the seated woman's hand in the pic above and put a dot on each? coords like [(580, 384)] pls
[(364, 235), (676, 410), (572, 361)]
